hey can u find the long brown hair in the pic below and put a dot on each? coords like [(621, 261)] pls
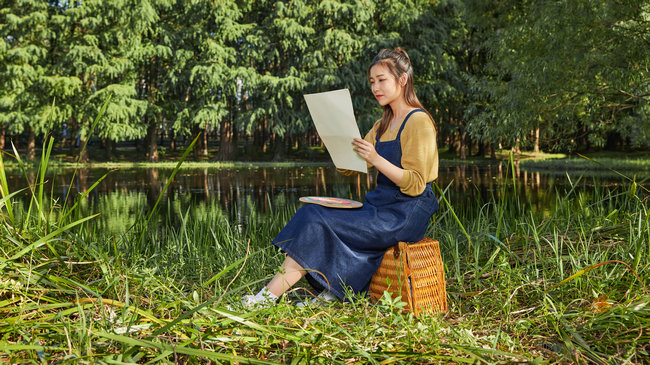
[(398, 64)]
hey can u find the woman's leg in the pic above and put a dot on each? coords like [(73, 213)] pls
[(289, 274)]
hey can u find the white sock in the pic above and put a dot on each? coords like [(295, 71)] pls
[(265, 295), (327, 296)]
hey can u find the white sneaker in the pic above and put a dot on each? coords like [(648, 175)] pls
[(325, 296), (263, 299), (253, 301)]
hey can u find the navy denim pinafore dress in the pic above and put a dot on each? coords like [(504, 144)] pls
[(343, 247)]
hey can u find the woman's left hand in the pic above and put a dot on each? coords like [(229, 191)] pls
[(365, 149)]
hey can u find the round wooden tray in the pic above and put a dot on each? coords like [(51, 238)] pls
[(331, 202)]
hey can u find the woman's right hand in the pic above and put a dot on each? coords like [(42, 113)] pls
[(366, 150)]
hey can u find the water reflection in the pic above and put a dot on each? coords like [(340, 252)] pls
[(238, 192)]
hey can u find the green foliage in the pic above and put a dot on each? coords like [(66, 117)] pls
[(572, 72), (25, 75), (577, 70)]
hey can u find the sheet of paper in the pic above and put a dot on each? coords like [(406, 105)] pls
[(333, 116)]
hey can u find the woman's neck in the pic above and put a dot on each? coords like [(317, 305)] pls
[(400, 109)]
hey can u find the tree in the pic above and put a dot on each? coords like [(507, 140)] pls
[(25, 78), (276, 49), (103, 40), (573, 71), (156, 28), (216, 75)]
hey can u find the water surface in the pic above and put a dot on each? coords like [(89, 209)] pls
[(126, 194)]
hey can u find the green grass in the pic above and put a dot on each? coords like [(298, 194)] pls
[(568, 284), (631, 164)]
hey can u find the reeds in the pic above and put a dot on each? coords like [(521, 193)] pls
[(564, 285)]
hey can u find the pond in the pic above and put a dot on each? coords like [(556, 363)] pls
[(239, 193)]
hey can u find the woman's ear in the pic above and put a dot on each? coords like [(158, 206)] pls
[(403, 79)]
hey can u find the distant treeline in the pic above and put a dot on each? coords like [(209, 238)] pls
[(553, 75)]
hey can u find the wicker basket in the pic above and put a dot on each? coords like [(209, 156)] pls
[(414, 271)]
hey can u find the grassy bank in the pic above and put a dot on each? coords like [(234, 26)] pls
[(566, 284), (128, 157), (630, 163)]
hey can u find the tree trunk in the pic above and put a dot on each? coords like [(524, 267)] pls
[(65, 138), (265, 138), (204, 142), (482, 149), (83, 156), (72, 135), (257, 144), (197, 147), (462, 147), (155, 186), (536, 140), (585, 138), (31, 145), (152, 142), (280, 148), (3, 132), (82, 180), (226, 143), (516, 149), (449, 142), (172, 142), (110, 149)]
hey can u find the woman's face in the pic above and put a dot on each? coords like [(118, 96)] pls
[(384, 85)]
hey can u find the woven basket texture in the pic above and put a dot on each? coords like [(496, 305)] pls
[(414, 271)]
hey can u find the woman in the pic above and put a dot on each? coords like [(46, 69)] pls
[(342, 248)]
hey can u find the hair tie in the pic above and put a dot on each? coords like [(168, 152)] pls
[(403, 53)]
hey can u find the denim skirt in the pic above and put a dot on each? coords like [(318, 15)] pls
[(342, 248)]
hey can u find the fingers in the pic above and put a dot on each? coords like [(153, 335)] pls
[(364, 148), (358, 142), (359, 146)]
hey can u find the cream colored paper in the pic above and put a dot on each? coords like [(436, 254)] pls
[(333, 116)]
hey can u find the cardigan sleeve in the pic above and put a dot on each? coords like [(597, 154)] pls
[(419, 154)]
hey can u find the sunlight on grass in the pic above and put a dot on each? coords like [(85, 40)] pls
[(523, 286)]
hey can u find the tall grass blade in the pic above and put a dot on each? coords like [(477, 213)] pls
[(202, 305), (81, 152), (116, 303), (561, 205), (451, 209), (67, 212), (616, 172), (6, 201), (502, 203), (4, 189), (256, 326), (30, 186), (584, 271), (163, 347), (46, 152), (43, 240), (225, 271), (169, 181)]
